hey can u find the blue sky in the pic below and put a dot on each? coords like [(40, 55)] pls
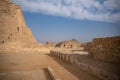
[(58, 20)]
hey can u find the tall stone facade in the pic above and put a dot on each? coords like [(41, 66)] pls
[(14, 34), (107, 49)]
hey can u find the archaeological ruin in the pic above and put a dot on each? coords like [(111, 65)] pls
[(14, 34), (69, 44), (23, 58), (107, 49)]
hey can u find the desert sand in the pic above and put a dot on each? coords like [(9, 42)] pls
[(28, 62)]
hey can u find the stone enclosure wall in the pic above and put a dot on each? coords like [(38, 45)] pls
[(72, 59), (107, 49)]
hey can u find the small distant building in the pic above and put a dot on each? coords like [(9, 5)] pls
[(69, 44)]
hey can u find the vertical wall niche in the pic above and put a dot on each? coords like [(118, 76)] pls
[(18, 29), (2, 42)]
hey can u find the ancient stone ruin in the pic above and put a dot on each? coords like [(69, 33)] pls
[(69, 44), (101, 57), (107, 49), (14, 34), (70, 60)]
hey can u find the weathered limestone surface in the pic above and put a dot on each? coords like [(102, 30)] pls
[(69, 44), (14, 34), (107, 49)]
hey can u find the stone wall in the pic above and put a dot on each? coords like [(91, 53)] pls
[(72, 59), (107, 49), (14, 34)]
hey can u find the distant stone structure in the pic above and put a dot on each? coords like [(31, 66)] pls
[(107, 49), (69, 44), (14, 34), (50, 44)]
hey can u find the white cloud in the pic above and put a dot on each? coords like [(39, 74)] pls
[(108, 11)]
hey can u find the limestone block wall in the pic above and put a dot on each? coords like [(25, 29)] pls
[(87, 46), (107, 49), (14, 34)]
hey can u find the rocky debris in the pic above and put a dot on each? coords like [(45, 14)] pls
[(41, 47), (107, 49), (50, 44), (69, 44)]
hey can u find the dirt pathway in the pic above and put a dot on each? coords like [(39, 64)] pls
[(38, 61)]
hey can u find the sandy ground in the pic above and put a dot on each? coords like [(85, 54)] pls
[(29, 61)]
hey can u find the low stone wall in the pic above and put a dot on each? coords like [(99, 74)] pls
[(72, 58), (64, 56), (107, 49), (52, 74)]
